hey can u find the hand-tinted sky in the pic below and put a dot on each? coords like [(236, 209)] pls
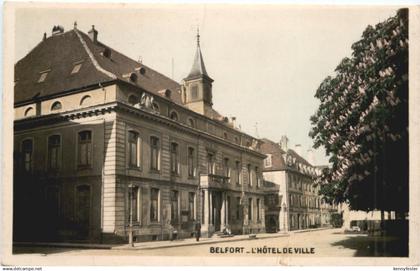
[(266, 61)]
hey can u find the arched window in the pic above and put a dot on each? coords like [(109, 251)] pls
[(191, 123), (134, 149), (133, 100), (156, 107), (56, 106), (85, 100), (174, 116), (29, 112)]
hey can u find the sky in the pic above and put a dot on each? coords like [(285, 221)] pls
[(267, 61)]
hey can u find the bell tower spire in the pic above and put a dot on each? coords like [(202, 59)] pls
[(198, 84), (198, 36)]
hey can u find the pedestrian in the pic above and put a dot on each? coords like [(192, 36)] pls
[(197, 231)]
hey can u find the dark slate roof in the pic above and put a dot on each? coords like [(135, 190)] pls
[(299, 158), (59, 53), (277, 160)]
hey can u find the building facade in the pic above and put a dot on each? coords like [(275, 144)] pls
[(292, 199), (105, 146)]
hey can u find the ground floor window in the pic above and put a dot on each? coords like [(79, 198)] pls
[(154, 205), (191, 204)]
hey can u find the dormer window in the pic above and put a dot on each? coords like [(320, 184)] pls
[(56, 106), (29, 112), (191, 123), (76, 68), (174, 116), (133, 100), (42, 77)]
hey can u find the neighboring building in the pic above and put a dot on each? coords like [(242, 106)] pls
[(292, 201), (102, 141)]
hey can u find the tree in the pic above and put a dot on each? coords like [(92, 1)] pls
[(362, 121)]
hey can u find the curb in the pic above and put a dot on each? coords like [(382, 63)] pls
[(125, 247), (308, 230)]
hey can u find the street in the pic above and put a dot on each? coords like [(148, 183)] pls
[(322, 243)]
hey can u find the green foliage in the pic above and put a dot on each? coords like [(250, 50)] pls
[(362, 121), (336, 220)]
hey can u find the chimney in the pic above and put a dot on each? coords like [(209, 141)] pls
[(93, 34), (44, 37), (284, 143), (298, 149), (57, 29), (233, 121)]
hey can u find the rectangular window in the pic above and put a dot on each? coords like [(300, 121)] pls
[(258, 210), (257, 176), (134, 149), (54, 146), (154, 205), (134, 206), (27, 149), (174, 206), (154, 152), (226, 169), (267, 161), (249, 175), (191, 204), (238, 172), (210, 163), (250, 209), (194, 92), (191, 168), (85, 149), (174, 159)]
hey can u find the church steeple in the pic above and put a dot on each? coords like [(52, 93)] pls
[(198, 85), (198, 68)]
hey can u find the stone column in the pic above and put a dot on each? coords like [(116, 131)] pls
[(227, 211), (210, 208), (223, 212), (206, 208)]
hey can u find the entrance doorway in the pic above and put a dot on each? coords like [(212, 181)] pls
[(83, 210), (217, 205)]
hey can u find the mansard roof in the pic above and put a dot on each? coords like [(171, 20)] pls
[(58, 54), (279, 155)]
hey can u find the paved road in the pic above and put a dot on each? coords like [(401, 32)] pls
[(323, 243)]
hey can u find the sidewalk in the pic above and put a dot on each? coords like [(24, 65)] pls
[(192, 241), (167, 243), (211, 240)]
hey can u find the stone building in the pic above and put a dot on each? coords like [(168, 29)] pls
[(292, 198), (104, 144)]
